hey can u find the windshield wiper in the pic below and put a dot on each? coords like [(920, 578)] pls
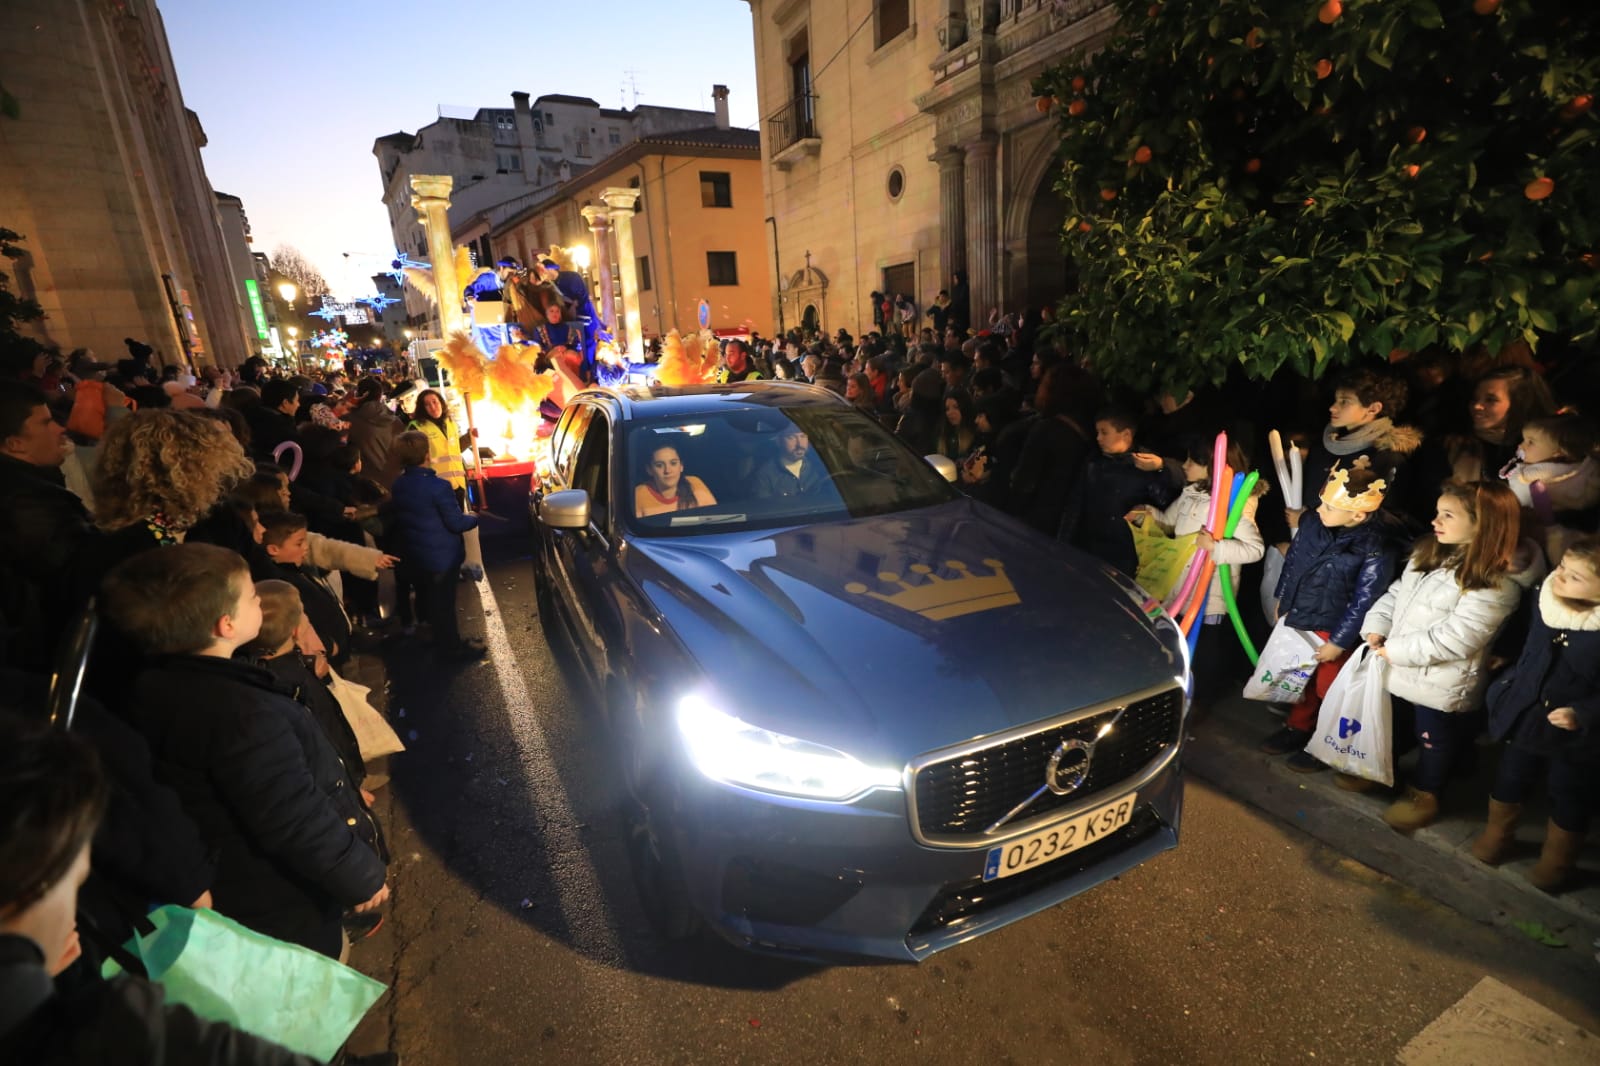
[(706, 519)]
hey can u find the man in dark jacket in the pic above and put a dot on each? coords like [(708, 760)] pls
[(249, 764), (43, 529), (272, 420), (53, 793), (373, 429)]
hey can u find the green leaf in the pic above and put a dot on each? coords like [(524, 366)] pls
[(1345, 324), (1542, 319), (1535, 931)]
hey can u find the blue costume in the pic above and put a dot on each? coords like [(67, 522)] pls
[(575, 291)]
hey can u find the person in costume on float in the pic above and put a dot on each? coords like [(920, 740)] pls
[(560, 344), (581, 312)]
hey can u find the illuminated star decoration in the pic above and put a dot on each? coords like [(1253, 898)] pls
[(328, 313), (333, 338), (397, 266), (379, 302)]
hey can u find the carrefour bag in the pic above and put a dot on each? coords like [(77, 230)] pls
[(1162, 559), (1285, 667), (224, 972), (1354, 728)]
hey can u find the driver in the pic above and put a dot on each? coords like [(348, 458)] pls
[(795, 469), (667, 488)]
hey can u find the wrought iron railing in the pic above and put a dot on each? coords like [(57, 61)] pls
[(796, 121)]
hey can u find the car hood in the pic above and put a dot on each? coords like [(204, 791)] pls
[(894, 635)]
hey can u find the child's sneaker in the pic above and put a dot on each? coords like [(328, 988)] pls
[(1286, 740)]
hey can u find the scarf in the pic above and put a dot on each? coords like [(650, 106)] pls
[(1356, 440)]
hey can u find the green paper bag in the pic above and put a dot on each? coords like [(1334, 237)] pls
[(224, 972), (1162, 559)]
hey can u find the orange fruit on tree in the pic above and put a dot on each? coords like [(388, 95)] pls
[(1253, 38), (1329, 12), (1078, 84), (1323, 110), (1310, 201), (1042, 104), (1539, 188), (1580, 104), (1412, 169), (1324, 68), (1085, 227), (1251, 166), (1590, 260), (1485, 7), (1416, 134), (1108, 195), (1142, 154), (1076, 108)]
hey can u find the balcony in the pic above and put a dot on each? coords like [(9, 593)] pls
[(792, 132)]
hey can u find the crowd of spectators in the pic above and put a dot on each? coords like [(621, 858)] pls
[(225, 532)]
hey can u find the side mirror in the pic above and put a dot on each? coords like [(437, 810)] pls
[(946, 467), (568, 509)]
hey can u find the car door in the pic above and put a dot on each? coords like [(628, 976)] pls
[(585, 559)]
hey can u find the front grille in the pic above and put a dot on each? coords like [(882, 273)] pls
[(964, 795), (959, 902)]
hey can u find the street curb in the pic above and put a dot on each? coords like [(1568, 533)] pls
[(1428, 862)]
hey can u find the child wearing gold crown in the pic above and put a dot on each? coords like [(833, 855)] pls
[(1338, 566), (1436, 627)]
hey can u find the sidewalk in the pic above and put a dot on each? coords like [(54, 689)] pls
[(1435, 861)]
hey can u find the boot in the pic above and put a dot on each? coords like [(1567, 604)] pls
[(1412, 811), (1352, 783), (1556, 860), (1494, 844)]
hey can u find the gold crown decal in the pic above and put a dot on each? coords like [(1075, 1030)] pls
[(1336, 494), (938, 598)]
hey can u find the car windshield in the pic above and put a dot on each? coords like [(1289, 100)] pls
[(749, 469)]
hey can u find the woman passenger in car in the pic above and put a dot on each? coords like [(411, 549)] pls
[(667, 488)]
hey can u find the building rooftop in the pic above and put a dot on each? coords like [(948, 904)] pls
[(563, 98), (707, 137)]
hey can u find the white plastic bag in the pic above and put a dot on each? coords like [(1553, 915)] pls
[(1286, 666), (374, 735), (1354, 727)]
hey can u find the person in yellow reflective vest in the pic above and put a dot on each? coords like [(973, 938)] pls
[(736, 365), (446, 442)]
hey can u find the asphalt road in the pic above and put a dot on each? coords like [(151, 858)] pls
[(514, 936)]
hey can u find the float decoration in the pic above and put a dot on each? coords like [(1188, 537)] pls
[(690, 360)]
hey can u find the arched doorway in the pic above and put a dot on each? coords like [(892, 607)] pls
[(1049, 274), (810, 322)]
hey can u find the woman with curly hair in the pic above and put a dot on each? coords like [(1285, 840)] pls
[(159, 472)]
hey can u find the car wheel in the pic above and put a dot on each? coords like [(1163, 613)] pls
[(658, 874)]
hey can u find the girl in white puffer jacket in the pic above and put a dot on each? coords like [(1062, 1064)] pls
[(1436, 626)]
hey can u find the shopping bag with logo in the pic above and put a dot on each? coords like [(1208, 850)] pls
[(1354, 727), (1285, 667), (373, 733), (1162, 559), (224, 972)]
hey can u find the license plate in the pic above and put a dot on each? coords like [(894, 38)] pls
[(1058, 840)]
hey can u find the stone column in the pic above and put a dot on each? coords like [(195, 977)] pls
[(600, 226), (983, 228), (621, 200), (952, 213), (430, 195)]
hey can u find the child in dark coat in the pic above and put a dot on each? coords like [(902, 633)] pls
[(427, 522), (1341, 562), (286, 542), (1547, 707), (252, 769), (1117, 479)]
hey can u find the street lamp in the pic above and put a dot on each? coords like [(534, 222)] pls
[(407, 333), (580, 257), (288, 290)]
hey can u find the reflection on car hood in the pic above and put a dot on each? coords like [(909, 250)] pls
[(895, 635)]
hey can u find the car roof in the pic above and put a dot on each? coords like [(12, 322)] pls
[(651, 401)]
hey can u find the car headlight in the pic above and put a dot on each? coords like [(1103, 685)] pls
[(726, 749)]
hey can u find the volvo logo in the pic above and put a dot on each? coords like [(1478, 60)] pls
[(1067, 769)]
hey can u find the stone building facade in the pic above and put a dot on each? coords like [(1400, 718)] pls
[(693, 207), (902, 143), (101, 173), (503, 160)]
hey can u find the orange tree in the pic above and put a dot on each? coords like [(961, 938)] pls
[(1291, 184)]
